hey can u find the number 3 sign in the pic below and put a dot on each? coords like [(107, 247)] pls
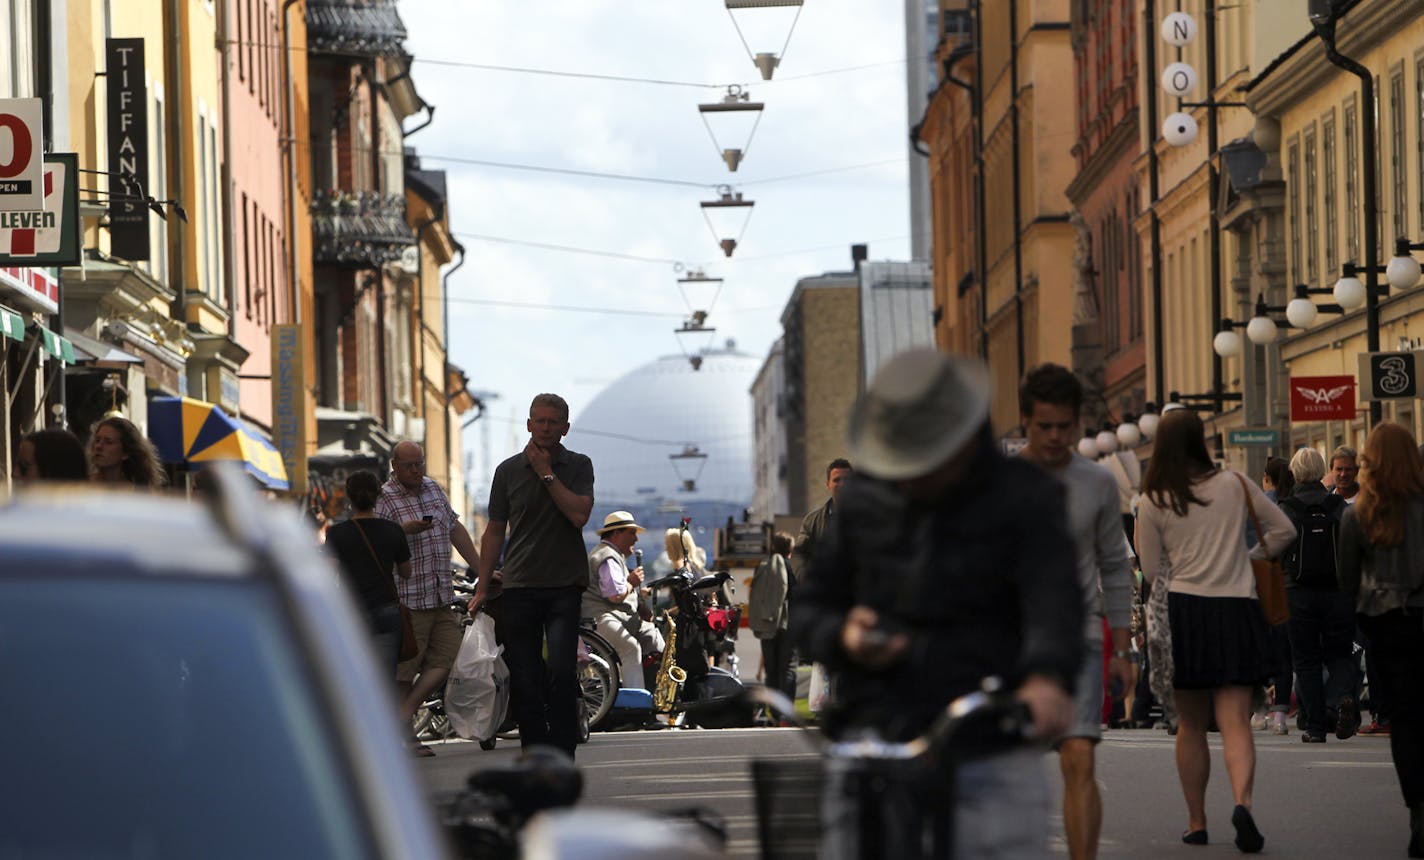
[(1390, 375), (21, 155)]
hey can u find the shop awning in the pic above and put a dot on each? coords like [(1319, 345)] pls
[(57, 345), (191, 431), (12, 324), (87, 349)]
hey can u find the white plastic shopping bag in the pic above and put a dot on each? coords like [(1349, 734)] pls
[(820, 694), (477, 692)]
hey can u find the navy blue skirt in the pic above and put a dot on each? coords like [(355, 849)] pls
[(1218, 642)]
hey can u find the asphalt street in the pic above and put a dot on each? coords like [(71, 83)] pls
[(1336, 800)]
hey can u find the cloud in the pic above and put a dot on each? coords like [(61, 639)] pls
[(651, 130)]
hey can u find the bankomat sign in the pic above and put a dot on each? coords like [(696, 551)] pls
[(21, 155), (128, 148)]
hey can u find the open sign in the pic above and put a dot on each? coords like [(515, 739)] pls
[(21, 155)]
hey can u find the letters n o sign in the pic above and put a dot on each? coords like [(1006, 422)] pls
[(22, 149)]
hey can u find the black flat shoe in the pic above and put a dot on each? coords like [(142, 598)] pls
[(1194, 837), (1248, 839)]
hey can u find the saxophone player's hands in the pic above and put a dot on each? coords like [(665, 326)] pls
[(867, 643)]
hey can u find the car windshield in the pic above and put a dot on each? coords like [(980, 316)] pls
[(158, 717)]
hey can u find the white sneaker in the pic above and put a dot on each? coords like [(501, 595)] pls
[(1258, 722), (1278, 723)]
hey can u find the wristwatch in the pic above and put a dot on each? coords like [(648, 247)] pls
[(547, 479)]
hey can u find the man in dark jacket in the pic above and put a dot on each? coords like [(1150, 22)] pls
[(1322, 619), (813, 525), (946, 563)]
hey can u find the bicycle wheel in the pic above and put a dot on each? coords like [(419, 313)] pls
[(598, 687), (592, 643)]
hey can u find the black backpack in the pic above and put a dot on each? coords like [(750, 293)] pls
[(1310, 561)]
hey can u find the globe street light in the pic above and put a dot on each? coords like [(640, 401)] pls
[(1403, 270)]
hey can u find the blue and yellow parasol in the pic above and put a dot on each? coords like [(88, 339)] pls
[(191, 431)]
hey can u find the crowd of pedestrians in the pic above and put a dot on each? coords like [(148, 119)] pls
[(939, 561), (936, 562)]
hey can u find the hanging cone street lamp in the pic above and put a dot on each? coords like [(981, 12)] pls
[(688, 465), (726, 211), (765, 61), (734, 110), (695, 337)]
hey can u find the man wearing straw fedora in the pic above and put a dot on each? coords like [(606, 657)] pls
[(947, 563), (611, 598)]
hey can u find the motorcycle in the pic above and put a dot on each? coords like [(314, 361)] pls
[(687, 686)]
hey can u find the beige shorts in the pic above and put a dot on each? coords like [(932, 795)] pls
[(438, 634)]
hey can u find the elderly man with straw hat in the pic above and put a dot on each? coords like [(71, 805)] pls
[(611, 598), (947, 563)]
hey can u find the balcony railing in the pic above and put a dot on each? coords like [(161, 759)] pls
[(359, 229), (358, 28)]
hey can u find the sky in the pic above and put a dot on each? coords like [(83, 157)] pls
[(836, 109)]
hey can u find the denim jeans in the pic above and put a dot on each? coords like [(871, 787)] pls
[(1322, 628), (545, 691)]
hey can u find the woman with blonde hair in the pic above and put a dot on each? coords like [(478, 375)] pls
[(1189, 526), (1381, 566), (119, 453)]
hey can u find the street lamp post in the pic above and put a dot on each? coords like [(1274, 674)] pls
[(1323, 16)]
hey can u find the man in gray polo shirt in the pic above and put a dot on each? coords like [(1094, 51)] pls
[(541, 498), (1050, 406)]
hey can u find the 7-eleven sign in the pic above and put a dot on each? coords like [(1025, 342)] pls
[(48, 236)]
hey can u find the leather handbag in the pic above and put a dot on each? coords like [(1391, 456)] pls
[(1270, 578), (409, 647)]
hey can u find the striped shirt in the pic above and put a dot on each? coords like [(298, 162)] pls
[(429, 586)]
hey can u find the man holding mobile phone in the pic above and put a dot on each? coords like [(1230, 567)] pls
[(405, 499), (540, 500)]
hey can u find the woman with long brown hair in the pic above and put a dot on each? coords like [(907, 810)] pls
[(119, 453), (1381, 566), (1189, 527)]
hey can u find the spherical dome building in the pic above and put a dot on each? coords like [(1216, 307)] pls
[(635, 426)]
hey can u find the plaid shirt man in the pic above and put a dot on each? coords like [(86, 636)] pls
[(429, 586)]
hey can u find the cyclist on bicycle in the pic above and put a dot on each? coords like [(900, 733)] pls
[(946, 563)]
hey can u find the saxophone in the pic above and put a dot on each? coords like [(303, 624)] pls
[(670, 675)]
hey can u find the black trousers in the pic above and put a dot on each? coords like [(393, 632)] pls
[(776, 663), (1397, 640), (544, 689), (1322, 633)]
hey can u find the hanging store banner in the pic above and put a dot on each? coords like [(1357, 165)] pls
[(128, 148), (47, 236), (1391, 375), (289, 402), (1322, 398), (21, 154)]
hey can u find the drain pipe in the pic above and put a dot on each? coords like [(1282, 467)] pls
[(445, 339), (1018, 183), (289, 147), (1159, 352)]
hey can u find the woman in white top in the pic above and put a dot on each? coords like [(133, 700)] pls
[(1189, 528)]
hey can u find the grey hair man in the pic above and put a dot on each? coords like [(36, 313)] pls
[(1322, 620), (946, 563), (418, 504)]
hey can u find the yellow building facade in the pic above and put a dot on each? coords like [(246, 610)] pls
[(1320, 114), (1015, 110)]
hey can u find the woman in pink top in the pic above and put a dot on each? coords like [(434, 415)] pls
[(1189, 528)]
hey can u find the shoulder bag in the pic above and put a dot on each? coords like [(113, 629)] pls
[(408, 646), (1270, 578)]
